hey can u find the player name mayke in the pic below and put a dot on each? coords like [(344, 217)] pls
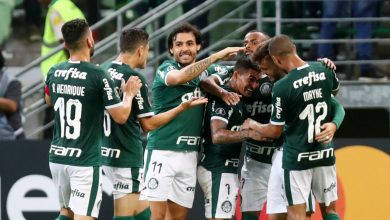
[(309, 79), (73, 73), (68, 89)]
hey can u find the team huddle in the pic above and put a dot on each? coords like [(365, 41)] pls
[(278, 106)]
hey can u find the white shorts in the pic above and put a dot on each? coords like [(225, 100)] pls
[(220, 192), (321, 180), (254, 184), (125, 180), (170, 175), (276, 202), (79, 188)]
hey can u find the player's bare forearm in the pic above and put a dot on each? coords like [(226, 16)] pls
[(156, 121), (211, 86), (264, 130), (189, 72)]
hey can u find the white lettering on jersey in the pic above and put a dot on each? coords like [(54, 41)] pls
[(109, 152), (312, 94), (278, 107), (114, 74), (316, 155), (72, 73), (267, 150), (65, 151), (189, 140), (308, 80), (140, 100), (196, 93), (232, 162), (70, 90), (108, 89), (258, 107)]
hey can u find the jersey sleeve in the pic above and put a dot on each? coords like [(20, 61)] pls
[(163, 72), (220, 111), (279, 105), (109, 94), (142, 104), (223, 73), (336, 83)]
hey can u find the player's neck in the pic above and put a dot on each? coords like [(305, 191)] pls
[(128, 59), (80, 56), (294, 62), (233, 85)]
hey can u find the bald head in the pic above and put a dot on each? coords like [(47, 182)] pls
[(281, 45), (252, 40)]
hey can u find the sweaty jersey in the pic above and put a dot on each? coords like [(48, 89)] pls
[(79, 93), (183, 133), (122, 144), (301, 102), (259, 107), (222, 157)]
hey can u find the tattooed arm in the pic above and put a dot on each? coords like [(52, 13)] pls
[(190, 72)]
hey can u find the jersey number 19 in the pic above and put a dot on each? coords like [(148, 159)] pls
[(70, 123)]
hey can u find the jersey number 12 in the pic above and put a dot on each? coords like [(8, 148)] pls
[(314, 123)]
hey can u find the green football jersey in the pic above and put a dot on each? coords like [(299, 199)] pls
[(259, 107), (301, 102), (222, 157), (122, 144), (183, 133), (79, 93)]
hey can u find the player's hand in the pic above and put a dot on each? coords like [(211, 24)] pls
[(230, 98), (228, 53), (329, 63), (194, 102), (247, 124), (132, 86), (327, 133)]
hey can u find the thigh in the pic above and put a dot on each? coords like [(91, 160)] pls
[(297, 185), (220, 191), (86, 190), (62, 183), (125, 180), (276, 202), (254, 184), (325, 184)]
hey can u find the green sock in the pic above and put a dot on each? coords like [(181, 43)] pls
[(123, 218), (144, 215), (63, 217), (331, 216), (249, 216)]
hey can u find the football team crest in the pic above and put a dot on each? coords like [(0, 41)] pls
[(220, 111), (153, 183), (265, 89), (226, 206)]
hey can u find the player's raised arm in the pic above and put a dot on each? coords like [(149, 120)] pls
[(212, 86), (120, 114), (188, 73)]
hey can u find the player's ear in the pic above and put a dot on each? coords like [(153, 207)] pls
[(171, 51), (235, 74), (198, 47)]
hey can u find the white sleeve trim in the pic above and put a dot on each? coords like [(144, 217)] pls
[(114, 105), (277, 123), (219, 118), (165, 78), (144, 115)]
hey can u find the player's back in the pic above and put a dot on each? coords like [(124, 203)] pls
[(303, 96), (79, 91)]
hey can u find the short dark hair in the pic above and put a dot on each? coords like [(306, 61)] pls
[(281, 45), (132, 38), (245, 63), (261, 53), (73, 32), (257, 31), (184, 28)]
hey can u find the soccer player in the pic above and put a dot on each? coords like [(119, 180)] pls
[(122, 150), (171, 156), (301, 101), (79, 92), (217, 172), (276, 206)]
